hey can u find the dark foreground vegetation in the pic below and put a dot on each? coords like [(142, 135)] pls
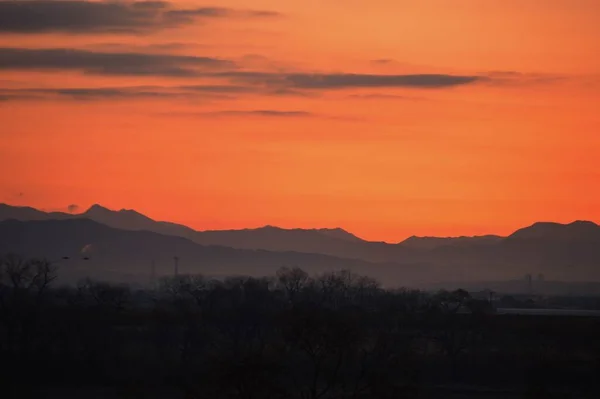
[(336, 335)]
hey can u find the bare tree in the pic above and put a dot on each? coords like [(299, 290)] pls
[(29, 275), (452, 331), (23, 283), (292, 281), (104, 294)]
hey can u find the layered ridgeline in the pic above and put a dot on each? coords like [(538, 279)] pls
[(106, 253), (130, 242)]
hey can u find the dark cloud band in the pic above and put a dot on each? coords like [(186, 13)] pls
[(346, 81), (263, 112), (80, 16), (109, 63), (130, 63), (127, 92)]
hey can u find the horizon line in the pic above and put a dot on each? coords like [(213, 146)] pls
[(268, 225)]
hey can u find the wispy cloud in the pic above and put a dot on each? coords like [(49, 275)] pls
[(268, 113), (109, 63), (383, 96), (150, 47), (262, 113), (122, 93), (513, 78), (130, 92), (383, 61), (189, 15), (81, 16), (224, 89), (227, 78), (349, 80)]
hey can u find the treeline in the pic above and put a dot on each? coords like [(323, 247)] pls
[(334, 335)]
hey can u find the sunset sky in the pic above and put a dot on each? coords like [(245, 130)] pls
[(385, 117)]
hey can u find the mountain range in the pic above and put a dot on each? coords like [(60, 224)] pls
[(125, 243), (335, 242)]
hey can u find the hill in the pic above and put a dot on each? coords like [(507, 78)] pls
[(123, 255), (566, 252), (335, 242), (430, 243)]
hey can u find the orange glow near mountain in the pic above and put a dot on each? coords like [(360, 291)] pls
[(385, 118)]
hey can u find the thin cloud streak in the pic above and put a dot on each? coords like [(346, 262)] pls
[(149, 48), (382, 96), (383, 61), (130, 92), (268, 113), (513, 78), (109, 63), (318, 81), (118, 93), (261, 113)]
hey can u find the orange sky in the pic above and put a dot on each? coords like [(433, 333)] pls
[(508, 133)]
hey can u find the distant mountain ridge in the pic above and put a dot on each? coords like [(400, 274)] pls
[(127, 255), (562, 251), (129, 219), (25, 213), (436, 242), (334, 241), (579, 229)]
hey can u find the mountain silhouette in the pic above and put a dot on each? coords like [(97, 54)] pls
[(562, 251), (578, 230), (25, 213), (129, 219), (126, 255), (437, 242), (335, 242)]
